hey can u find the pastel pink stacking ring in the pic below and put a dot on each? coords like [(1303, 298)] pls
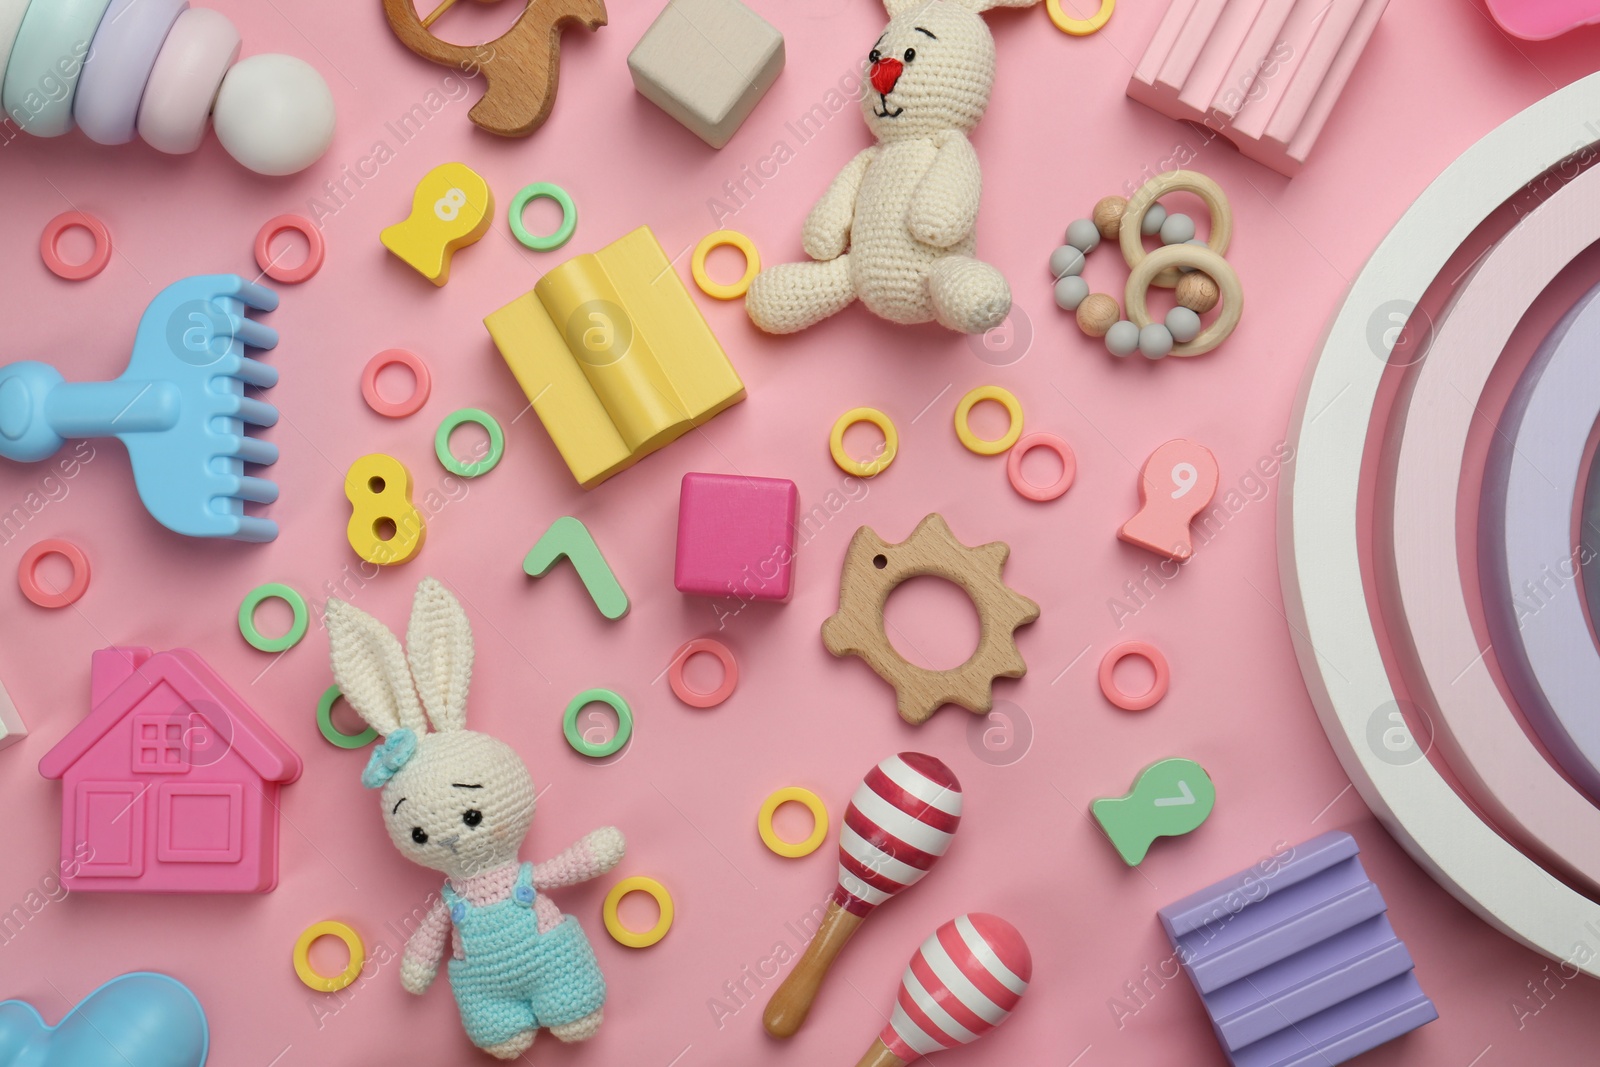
[(119, 64), (176, 108), (46, 61)]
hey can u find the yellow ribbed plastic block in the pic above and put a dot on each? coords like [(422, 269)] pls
[(614, 356)]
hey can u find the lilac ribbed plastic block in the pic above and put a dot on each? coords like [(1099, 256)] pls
[(1295, 959)]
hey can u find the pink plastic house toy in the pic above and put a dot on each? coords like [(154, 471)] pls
[(736, 537), (170, 784)]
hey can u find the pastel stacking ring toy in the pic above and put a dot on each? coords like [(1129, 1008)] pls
[(119, 65), (11, 12), (46, 61), (188, 72)]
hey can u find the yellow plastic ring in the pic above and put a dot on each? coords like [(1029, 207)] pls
[(850, 465), (302, 956), (732, 239), (1080, 27), (819, 817), (980, 445), (634, 938)]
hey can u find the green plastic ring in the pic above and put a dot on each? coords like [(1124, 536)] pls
[(247, 617), (569, 216), (331, 732), (569, 723), (441, 442)]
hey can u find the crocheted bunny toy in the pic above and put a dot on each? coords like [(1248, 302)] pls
[(461, 802), (896, 227)]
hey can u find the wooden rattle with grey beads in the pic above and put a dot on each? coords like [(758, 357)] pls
[(1194, 268)]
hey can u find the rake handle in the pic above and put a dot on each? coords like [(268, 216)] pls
[(39, 410)]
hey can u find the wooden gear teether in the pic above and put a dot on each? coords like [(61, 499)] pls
[(521, 66), (873, 569)]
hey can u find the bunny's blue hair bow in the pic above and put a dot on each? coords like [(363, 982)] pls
[(389, 757)]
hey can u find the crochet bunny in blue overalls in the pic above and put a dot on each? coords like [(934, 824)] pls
[(513, 978), (461, 802)]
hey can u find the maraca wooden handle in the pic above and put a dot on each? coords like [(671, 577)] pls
[(880, 1056), (787, 1010)]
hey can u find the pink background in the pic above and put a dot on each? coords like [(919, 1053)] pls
[(1059, 135)]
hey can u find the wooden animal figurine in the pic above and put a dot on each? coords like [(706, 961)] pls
[(872, 570), (1176, 483), (901, 819), (897, 226), (521, 66), (964, 981)]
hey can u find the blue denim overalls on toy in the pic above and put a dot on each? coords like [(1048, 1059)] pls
[(513, 978)]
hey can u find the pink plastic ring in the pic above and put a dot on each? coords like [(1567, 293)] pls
[(693, 697), (1158, 688), (422, 383), (1069, 466), (51, 254), (29, 580), (315, 249)]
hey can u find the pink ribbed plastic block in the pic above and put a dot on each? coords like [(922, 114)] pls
[(1264, 74)]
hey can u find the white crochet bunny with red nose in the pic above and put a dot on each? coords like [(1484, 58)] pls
[(895, 229)]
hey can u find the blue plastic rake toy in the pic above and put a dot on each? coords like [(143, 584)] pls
[(179, 408)]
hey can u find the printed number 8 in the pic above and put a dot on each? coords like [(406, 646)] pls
[(448, 206)]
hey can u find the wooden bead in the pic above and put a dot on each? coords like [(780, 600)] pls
[(1108, 216), (1197, 292), (1096, 314)]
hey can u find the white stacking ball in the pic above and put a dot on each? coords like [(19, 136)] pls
[(1183, 324), (1070, 292), (1064, 261), (1122, 339), (274, 114)]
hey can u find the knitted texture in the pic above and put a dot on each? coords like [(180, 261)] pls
[(461, 802), (896, 228), (514, 978)]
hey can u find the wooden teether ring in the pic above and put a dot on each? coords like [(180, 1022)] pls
[(1207, 262), (873, 569), (521, 66), (1175, 181)]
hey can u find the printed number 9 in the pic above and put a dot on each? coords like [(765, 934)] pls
[(448, 206), (1184, 476)]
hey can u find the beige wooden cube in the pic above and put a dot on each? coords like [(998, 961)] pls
[(12, 729), (707, 63)]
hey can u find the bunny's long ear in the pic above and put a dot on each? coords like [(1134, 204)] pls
[(370, 669), (440, 643), (985, 5)]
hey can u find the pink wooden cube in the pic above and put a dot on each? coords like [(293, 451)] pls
[(736, 537)]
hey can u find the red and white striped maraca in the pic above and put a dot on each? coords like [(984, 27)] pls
[(964, 981), (901, 819)]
